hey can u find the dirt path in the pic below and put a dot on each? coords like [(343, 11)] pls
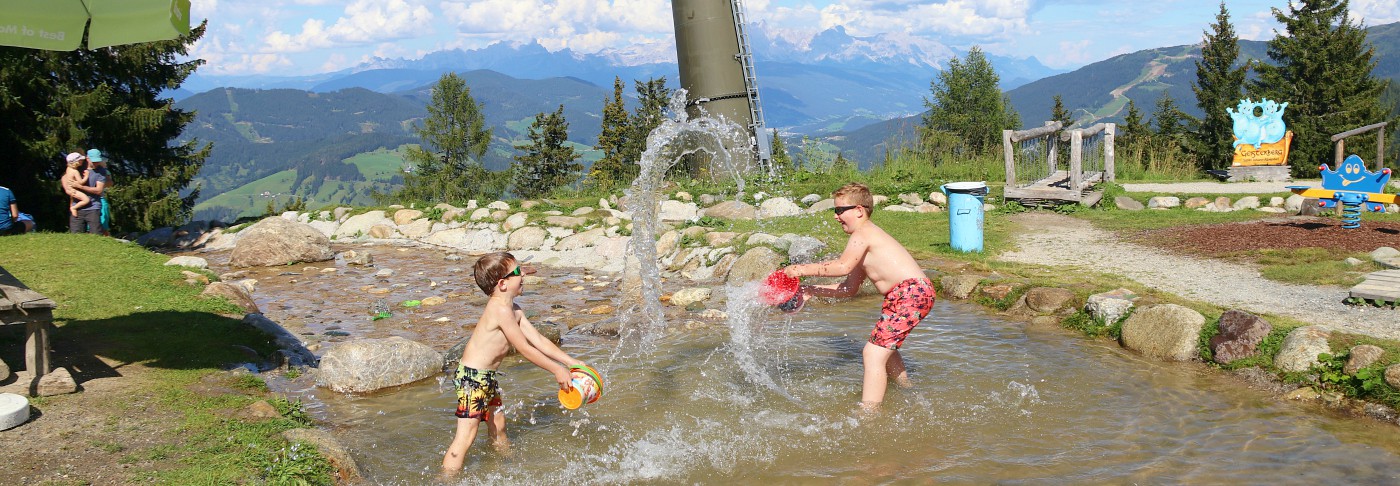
[(1058, 240)]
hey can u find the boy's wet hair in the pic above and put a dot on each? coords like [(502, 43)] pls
[(491, 268), (858, 194)]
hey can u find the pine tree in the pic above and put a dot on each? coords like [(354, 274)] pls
[(1322, 67), (782, 162), (112, 99), (446, 166), (1060, 114), (841, 166), (652, 98), (967, 101), (1135, 131), (612, 170), (1170, 122), (548, 162), (1218, 86)]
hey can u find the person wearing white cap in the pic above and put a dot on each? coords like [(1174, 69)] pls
[(88, 218)]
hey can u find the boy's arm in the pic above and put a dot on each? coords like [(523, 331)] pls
[(843, 265), (543, 344), (847, 288), (515, 335)]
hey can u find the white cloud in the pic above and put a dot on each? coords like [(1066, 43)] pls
[(584, 25), (1375, 12), (364, 21)]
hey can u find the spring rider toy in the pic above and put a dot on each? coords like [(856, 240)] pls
[(1352, 186)]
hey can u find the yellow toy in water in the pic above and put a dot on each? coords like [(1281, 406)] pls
[(586, 387)]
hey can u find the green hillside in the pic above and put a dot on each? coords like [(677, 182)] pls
[(380, 171)]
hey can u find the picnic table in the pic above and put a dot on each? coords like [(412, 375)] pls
[(20, 305)]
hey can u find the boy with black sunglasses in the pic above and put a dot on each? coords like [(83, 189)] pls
[(502, 325), (872, 253)]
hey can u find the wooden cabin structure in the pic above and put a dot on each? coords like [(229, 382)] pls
[(1036, 175)]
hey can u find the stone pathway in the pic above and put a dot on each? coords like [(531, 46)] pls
[(1057, 240)]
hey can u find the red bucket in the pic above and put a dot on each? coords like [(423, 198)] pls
[(781, 290)]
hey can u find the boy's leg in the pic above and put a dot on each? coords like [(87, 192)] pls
[(894, 368), (496, 428), (876, 375), (461, 442)]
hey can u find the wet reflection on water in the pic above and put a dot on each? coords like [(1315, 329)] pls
[(772, 397)]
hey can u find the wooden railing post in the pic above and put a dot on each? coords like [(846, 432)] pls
[(1010, 158), (1054, 151), (1076, 162), (1108, 169)]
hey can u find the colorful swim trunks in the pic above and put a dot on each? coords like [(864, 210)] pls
[(477, 392), (905, 305)]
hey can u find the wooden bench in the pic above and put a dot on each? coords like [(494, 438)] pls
[(20, 305)]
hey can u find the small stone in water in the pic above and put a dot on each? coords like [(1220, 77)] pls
[(337, 333), (576, 289)]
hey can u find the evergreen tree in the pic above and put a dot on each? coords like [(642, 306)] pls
[(967, 102), (782, 162), (1218, 86), (112, 99), (841, 166), (1170, 122), (612, 169), (547, 162), (1135, 131), (446, 166), (1322, 67), (1060, 114), (652, 98)]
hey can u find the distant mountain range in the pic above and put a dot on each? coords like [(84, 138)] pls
[(1100, 91), (292, 135), (836, 81)]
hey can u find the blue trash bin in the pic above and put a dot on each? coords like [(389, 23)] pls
[(965, 201)]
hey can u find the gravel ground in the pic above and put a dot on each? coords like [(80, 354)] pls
[(1224, 187), (1218, 187), (1058, 240)]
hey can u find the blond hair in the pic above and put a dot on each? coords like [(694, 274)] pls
[(858, 194)]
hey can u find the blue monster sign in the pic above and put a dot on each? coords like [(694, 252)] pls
[(1352, 186), (1257, 130)]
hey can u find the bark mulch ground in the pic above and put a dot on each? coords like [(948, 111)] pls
[(1292, 232)]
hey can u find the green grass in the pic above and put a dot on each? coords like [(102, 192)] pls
[(118, 302)]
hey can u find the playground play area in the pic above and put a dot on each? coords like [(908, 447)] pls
[(1222, 240)]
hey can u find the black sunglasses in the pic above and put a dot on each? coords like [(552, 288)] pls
[(841, 209)]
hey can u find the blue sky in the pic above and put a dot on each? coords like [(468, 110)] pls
[(299, 37)]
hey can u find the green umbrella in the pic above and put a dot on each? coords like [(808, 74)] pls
[(57, 25)]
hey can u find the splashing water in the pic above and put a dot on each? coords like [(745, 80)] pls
[(729, 147)]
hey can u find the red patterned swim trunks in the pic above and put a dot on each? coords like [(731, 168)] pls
[(905, 305)]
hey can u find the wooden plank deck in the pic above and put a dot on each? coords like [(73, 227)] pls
[(1383, 286), (1056, 187)]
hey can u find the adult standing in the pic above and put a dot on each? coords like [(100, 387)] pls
[(88, 218), (12, 222), (99, 165)]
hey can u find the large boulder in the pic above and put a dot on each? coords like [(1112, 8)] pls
[(673, 210), (1168, 332), (359, 225), (371, 364), (347, 471), (1240, 334), (277, 241), (731, 210), (527, 238), (1300, 349), (959, 286), (1048, 300), (755, 264), (1110, 306), (777, 207)]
